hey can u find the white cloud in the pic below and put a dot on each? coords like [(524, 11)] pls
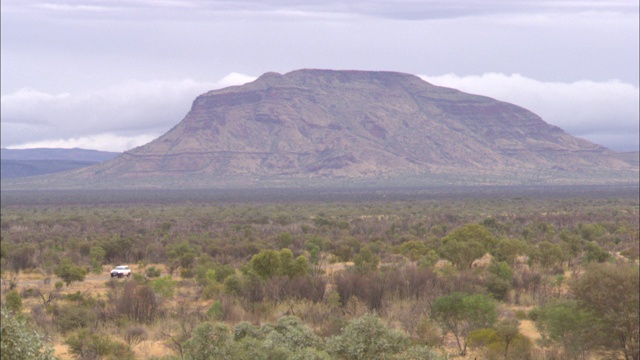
[(103, 142), (116, 118), (606, 113)]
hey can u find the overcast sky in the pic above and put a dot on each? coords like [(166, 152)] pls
[(115, 74)]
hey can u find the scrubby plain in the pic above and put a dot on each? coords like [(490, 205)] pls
[(493, 273)]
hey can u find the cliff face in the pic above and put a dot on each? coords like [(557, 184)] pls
[(356, 124)]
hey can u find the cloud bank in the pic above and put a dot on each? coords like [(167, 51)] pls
[(133, 113)]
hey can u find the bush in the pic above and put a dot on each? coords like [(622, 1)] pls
[(135, 302), (152, 272), (134, 335), (19, 342), (289, 332), (367, 338), (419, 353), (209, 341), (14, 302), (90, 346), (164, 286), (72, 317)]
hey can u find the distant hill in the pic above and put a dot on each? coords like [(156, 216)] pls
[(338, 127), (17, 163)]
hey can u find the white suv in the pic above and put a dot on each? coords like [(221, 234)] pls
[(121, 271)]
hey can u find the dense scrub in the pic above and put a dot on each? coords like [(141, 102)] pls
[(411, 278)]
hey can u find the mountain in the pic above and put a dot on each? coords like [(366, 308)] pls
[(17, 163), (313, 125)]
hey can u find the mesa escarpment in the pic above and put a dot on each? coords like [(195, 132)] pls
[(357, 125)]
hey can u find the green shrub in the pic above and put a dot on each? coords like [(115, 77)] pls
[(289, 332), (419, 353), (164, 286), (152, 272), (19, 342), (71, 317), (367, 338), (13, 302), (89, 345), (215, 311), (482, 338), (244, 329), (209, 341)]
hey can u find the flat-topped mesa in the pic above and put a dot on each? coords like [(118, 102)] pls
[(356, 124)]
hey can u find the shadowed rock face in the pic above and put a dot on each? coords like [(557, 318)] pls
[(323, 123)]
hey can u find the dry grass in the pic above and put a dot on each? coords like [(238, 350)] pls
[(61, 351)]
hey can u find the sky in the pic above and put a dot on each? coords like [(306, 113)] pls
[(115, 74)]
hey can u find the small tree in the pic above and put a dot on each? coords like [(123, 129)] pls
[(366, 260), (460, 314), (508, 331), (565, 323), (462, 253), (266, 263), (612, 294), (70, 273)]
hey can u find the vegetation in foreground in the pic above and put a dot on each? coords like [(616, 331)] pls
[(500, 278)]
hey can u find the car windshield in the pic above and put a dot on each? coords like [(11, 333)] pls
[(121, 267)]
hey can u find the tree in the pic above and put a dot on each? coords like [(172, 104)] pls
[(611, 293), (473, 232), (19, 342), (462, 253), (269, 263), (460, 314), (594, 253), (183, 255), (97, 254), (571, 245), (266, 263), (507, 330), (508, 250), (466, 244), (504, 342), (546, 254), (366, 260), (569, 325), (70, 273)]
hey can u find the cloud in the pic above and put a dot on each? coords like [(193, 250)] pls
[(117, 118), (606, 113)]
